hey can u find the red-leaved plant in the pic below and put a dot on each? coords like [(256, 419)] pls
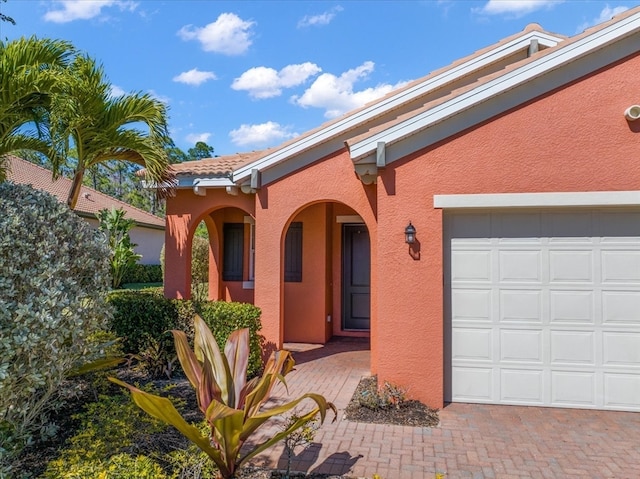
[(231, 404)]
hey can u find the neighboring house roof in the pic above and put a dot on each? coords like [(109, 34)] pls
[(90, 201), (471, 90)]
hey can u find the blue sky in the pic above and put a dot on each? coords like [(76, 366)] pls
[(245, 75)]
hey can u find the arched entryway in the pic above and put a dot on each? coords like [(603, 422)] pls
[(231, 234), (326, 274)]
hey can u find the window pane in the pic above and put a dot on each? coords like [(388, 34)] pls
[(293, 253), (233, 252)]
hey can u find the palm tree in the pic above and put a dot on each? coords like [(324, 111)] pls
[(31, 71), (103, 127)]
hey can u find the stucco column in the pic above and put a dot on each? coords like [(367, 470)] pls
[(268, 282), (410, 292), (177, 257)]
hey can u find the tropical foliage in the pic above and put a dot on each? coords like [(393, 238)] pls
[(102, 127), (233, 407), (116, 229), (33, 70)]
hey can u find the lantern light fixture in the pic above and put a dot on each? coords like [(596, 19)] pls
[(410, 234)]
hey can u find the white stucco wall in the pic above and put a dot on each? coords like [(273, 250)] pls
[(149, 241)]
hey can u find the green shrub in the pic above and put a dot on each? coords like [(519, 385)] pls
[(110, 426), (143, 273), (385, 397), (120, 466), (223, 318), (199, 269), (142, 319), (54, 277), (191, 463)]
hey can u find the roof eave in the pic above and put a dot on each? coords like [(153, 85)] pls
[(365, 149)]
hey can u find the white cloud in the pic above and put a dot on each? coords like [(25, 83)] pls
[(263, 134), (70, 10), (336, 94), (264, 82), (515, 8), (116, 91), (196, 137), (161, 98), (606, 14), (194, 77), (321, 19), (229, 34)]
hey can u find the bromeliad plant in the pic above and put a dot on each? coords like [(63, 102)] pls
[(233, 406)]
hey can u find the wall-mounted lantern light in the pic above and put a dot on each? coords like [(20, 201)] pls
[(410, 234)]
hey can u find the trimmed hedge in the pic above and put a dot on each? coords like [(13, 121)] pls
[(143, 273), (142, 318)]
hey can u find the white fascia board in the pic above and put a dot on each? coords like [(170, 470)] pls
[(538, 200), (494, 87), (189, 181), (397, 100)]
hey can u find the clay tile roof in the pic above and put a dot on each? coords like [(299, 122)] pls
[(90, 201), (218, 166)]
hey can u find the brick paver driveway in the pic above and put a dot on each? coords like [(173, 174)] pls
[(473, 441)]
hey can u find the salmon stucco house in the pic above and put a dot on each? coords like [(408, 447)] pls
[(518, 168)]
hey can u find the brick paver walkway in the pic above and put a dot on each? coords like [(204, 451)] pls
[(472, 441)]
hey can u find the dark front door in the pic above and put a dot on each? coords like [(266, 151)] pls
[(356, 274)]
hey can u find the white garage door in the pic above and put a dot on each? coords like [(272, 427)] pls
[(543, 308)]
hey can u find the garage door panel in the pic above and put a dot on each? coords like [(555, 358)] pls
[(520, 306), (470, 304), (620, 266), (471, 266), (473, 384), (621, 307), (621, 349), (620, 227), (520, 266), (521, 345), (472, 228), (474, 344), (523, 386), (518, 227), (622, 391), (573, 389), (570, 266), (573, 347), (544, 308), (571, 307), (570, 227)]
